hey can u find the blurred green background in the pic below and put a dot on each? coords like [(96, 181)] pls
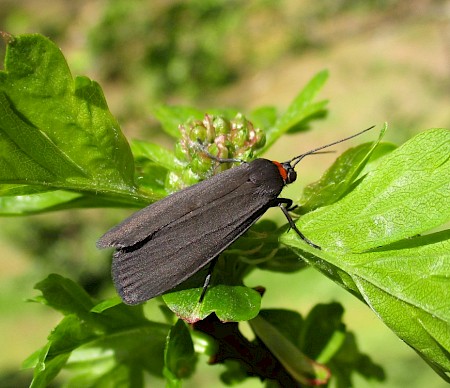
[(388, 60)]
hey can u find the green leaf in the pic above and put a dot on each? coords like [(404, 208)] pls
[(349, 359), (64, 295), (112, 315), (62, 200), (302, 109), (70, 333), (100, 344), (56, 132), (323, 330), (179, 355), (225, 296), (322, 336), (406, 195), (22, 146), (300, 367), (382, 149), (153, 164), (139, 348), (339, 178), (229, 303), (264, 117), (45, 372), (28, 204), (152, 179), (12, 189), (290, 323), (106, 305), (105, 374), (371, 244), (315, 111), (204, 343), (156, 153)]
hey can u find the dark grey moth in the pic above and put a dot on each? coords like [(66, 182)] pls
[(162, 245)]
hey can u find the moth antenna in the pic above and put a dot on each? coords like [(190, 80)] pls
[(293, 162)]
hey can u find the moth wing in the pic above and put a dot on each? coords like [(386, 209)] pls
[(146, 222)]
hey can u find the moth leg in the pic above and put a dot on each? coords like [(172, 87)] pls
[(208, 279), (288, 202), (216, 158), (285, 205), (223, 160)]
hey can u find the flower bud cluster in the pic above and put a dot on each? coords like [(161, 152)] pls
[(214, 136)]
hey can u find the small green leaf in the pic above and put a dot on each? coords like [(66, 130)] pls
[(106, 305), (70, 333), (349, 359), (64, 295), (290, 323), (382, 149), (225, 295), (45, 373), (179, 355), (339, 178), (204, 343), (322, 327), (300, 110), (112, 314), (157, 154), (314, 111), (230, 303), (264, 117), (105, 373), (67, 337), (151, 179)]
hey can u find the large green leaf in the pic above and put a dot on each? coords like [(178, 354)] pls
[(407, 194), (371, 243), (56, 131)]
